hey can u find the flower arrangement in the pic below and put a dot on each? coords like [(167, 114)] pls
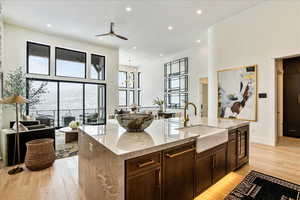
[(74, 124), (159, 102)]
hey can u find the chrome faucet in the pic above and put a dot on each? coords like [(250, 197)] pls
[(185, 115)]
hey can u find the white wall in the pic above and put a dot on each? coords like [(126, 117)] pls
[(15, 39), (255, 36), (153, 74)]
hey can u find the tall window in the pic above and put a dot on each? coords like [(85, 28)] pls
[(70, 63), (127, 88), (176, 83), (63, 102), (97, 67), (38, 58)]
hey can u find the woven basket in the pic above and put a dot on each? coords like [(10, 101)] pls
[(40, 154)]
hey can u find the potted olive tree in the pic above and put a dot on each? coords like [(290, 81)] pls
[(15, 84)]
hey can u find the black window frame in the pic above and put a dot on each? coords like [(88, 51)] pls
[(139, 80), (58, 97), (27, 57), (104, 71), (85, 63), (169, 76)]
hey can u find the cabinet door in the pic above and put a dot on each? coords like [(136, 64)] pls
[(144, 186), (231, 155), (178, 173), (242, 145), (203, 173), (219, 163)]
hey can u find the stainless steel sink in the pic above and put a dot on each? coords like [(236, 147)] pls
[(209, 137)]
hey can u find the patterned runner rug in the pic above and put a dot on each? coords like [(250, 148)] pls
[(259, 186)]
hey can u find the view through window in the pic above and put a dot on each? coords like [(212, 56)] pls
[(63, 102)]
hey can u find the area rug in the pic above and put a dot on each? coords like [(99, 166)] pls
[(259, 186), (64, 150)]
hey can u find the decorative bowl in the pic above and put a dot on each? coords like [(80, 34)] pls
[(136, 122)]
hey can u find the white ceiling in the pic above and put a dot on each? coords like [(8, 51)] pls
[(145, 26)]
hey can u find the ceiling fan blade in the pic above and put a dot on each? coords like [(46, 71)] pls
[(106, 34), (121, 37)]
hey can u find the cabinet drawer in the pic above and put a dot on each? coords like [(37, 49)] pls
[(232, 135), (142, 163)]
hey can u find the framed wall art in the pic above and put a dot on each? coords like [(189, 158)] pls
[(237, 93)]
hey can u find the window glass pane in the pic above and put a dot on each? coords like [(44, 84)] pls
[(175, 68), (70, 63), (131, 98), (70, 103), (131, 79), (174, 100), (183, 99), (183, 83), (44, 107), (123, 79), (173, 83), (183, 66), (122, 98), (94, 104), (38, 58), (98, 67)]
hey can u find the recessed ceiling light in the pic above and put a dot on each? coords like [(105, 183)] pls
[(48, 25), (134, 47), (198, 41), (128, 9), (199, 12), (161, 55), (100, 38), (170, 28)]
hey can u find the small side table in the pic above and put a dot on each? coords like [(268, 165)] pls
[(71, 135)]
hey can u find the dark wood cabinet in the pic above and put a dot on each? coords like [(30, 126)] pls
[(144, 186), (210, 167), (219, 163), (203, 173), (143, 177), (178, 172), (232, 151)]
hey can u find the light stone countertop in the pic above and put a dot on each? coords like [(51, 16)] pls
[(161, 134)]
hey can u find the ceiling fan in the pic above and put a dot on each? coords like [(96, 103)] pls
[(112, 33)]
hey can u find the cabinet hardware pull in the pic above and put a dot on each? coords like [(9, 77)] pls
[(180, 153), (146, 163)]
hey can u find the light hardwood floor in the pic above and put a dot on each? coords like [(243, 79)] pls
[(61, 180)]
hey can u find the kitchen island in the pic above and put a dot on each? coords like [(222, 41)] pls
[(164, 162)]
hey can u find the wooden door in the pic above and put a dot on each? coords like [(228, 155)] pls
[(144, 186), (232, 151), (178, 173), (219, 163), (203, 173), (291, 99)]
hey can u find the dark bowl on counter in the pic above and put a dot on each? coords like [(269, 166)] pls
[(135, 122)]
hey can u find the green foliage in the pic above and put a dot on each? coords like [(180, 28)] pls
[(158, 101), (15, 84)]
